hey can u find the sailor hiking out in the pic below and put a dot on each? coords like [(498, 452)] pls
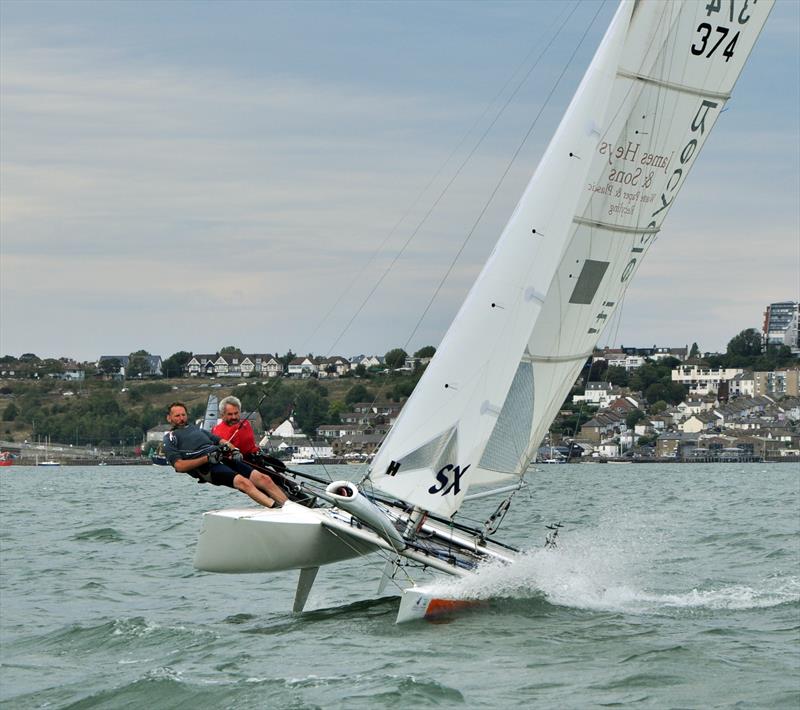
[(236, 431), (209, 458)]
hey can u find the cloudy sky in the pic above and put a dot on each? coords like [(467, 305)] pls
[(189, 175)]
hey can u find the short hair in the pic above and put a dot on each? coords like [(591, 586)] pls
[(176, 404), (229, 400)]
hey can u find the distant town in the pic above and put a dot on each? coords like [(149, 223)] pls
[(635, 404)]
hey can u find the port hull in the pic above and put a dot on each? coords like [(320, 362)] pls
[(292, 537)]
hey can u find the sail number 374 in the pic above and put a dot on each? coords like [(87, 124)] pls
[(710, 38)]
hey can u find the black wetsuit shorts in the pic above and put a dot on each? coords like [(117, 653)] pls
[(221, 474)]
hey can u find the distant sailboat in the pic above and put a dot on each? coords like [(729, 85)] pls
[(47, 461), (645, 107)]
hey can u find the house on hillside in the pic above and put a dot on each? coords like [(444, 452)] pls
[(234, 365), (288, 429), (694, 406), (200, 365), (661, 353), (608, 449), (598, 394), (601, 426), (742, 385), (661, 422), (334, 366), (789, 408), (363, 444), (701, 379), (303, 367), (675, 445), (152, 365), (368, 361), (338, 431), (700, 422), (780, 383), (317, 449), (621, 405)]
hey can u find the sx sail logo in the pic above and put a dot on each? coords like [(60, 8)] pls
[(448, 479)]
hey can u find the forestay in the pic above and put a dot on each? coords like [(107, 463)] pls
[(592, 210)]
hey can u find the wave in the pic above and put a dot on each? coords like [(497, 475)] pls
[(609, 568), (768, 593), (100, 535), (168, 687), (123, 633)]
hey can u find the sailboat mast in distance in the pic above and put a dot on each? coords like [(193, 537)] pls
[(597, 201)]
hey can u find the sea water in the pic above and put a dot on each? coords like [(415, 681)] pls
[(673, 586)]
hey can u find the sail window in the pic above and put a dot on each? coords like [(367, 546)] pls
[(430, 455), (511, 434), (589, 281)]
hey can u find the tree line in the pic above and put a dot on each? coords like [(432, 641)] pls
[(108, 417)]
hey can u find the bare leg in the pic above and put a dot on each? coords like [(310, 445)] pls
[(245, 486), (266, 484)]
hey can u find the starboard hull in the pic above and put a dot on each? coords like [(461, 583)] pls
[(420, 604)]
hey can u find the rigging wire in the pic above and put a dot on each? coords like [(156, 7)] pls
[(508, 168), (499, 183), (449, 184), (353, 281), (442, 193), (545, 104)]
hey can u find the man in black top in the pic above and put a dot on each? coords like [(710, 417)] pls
[(197, 452)]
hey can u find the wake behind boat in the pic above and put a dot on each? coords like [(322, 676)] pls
[(595, 205)]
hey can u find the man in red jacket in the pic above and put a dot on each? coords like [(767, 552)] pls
[(236, 431), (239, 433)]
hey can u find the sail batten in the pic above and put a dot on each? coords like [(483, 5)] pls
[(638, 120), (578, 357), (674, 86), (609, 226)]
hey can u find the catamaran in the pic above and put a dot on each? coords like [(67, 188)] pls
[(659, 80)]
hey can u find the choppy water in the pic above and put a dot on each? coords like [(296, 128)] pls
[(674, 586)]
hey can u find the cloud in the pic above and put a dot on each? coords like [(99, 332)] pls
[(242, 170)]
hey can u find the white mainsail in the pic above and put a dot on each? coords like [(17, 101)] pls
[(596, 202)]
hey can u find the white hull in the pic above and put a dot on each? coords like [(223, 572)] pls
[(264, 540), (296, 537)]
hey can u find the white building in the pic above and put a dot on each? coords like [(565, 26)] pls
[(607, 449), (315, 450), (286, 430), (303, 367), (700, 379), (742, 385), (781, 324), (598, 394)]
